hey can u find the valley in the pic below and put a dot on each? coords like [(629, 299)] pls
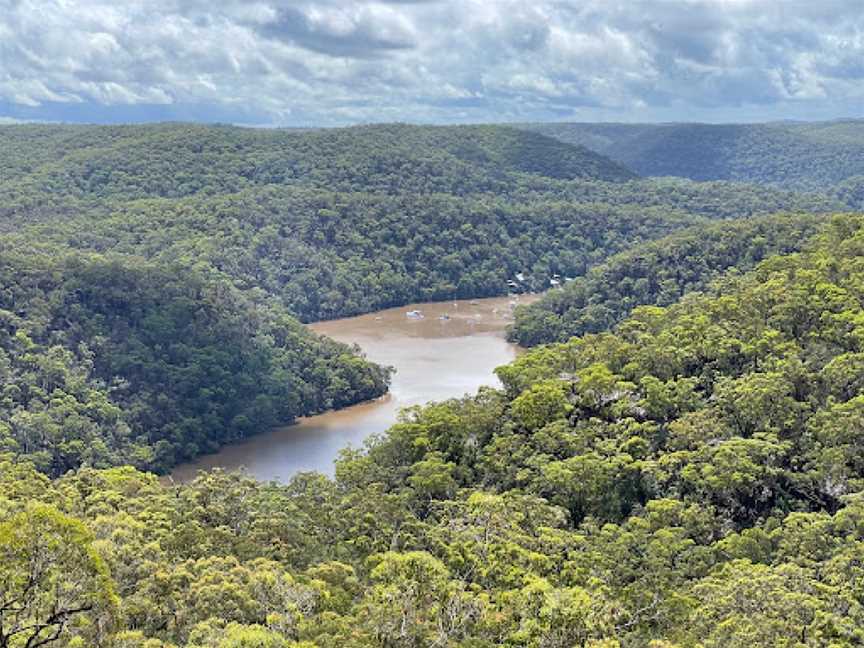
[(626, 410), (448, 350)]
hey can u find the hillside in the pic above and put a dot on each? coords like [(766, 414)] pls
[(332, 254), (110, 360), (344, 221), (154, 275), (691, 479), (328, 255), (658, 274), (797, 155), (177, 160)]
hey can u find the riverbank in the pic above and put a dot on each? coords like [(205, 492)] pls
[(443, 350)]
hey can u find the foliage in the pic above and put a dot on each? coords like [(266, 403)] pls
[(657, 273), (109, 360), (53, 584), (692, 478), (798, 155), (345, 221)]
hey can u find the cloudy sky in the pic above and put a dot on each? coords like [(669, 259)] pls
[(328, 62)]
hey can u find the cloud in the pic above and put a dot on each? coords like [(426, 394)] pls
[(6, 121), (304, 62), (360, 32)]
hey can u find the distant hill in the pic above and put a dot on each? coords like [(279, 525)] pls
[(176, 160), (800, 155), (336, 222)]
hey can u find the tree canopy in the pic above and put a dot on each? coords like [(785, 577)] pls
[(658, 273), (800, 155), (692, 478), (680, 465)]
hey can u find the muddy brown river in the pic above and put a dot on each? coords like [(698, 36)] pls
[(440, 350)]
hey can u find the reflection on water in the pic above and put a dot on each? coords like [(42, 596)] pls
[(442, 350)]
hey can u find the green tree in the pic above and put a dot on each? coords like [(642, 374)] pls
[(53, 583)]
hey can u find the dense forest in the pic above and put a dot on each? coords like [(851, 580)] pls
[(658, 273), (327, 255), (177, 160), (345, 221), (692, 478), (679, 464), (154, 275), (799, 155), (109, 360)]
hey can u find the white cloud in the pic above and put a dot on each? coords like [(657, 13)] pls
[(337, 61)]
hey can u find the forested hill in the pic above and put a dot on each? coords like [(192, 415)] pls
[(799, 155), (657, 274), (108, 359), (152, 275), (692, 479), (344, 221), (328, 254), (176, 160)]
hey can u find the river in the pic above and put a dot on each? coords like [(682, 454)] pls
[(447, 350)]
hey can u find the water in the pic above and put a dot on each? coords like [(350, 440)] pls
[(447, 350)]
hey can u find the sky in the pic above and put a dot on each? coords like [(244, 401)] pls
[(338, 62)]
